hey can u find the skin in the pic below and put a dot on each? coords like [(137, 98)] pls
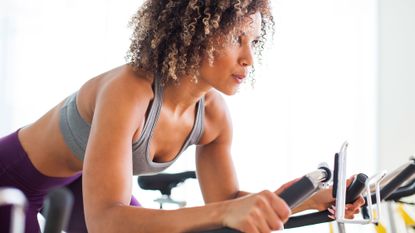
[(115, 103)]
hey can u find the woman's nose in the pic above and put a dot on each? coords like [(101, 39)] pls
[(246, 58)]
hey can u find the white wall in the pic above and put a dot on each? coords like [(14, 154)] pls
[(396, 82), (5, 113), (52, 47)]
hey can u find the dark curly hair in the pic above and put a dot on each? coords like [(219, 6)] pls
[(171, 37)]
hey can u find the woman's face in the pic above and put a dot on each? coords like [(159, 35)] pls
[(234, 59)]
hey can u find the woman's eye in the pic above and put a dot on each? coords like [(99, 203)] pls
[(255, 42), (239, 40)]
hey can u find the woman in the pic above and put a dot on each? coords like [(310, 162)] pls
[(139, 117)]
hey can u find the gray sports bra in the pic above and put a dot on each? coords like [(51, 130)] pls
[(76, 130)]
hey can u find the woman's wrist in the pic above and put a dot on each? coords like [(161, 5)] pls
[(220, 211), (241, 194), (306, 205)]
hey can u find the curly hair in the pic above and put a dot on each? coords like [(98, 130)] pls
[(170, 37)]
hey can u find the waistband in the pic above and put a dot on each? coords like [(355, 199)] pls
[(18, 171)]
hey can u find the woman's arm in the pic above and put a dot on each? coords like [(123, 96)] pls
[(108, 170), (218, 181), (215, 171)]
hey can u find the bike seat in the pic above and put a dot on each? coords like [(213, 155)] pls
[(164, 182)]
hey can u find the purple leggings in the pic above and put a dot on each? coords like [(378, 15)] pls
[(16, 170)]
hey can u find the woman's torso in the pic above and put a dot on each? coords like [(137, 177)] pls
[(49, 153)]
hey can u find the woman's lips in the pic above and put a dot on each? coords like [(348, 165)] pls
[(238, 78)]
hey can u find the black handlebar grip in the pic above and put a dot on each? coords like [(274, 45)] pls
[(354, 190), (294, 194), (405, 191), (58, 207), (308, 219)]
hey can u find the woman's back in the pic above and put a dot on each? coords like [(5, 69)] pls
[(43, 140)]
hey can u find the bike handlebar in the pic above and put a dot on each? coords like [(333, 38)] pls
[(354, 190), (406, 173), (294, 194), (405, 191)]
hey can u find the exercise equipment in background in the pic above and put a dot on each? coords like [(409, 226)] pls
[(57, 205), (18, 201), (164, 183)]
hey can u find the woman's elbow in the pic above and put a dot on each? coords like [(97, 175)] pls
[(103, 220)]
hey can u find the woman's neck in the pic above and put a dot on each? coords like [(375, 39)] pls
[(180, 97)]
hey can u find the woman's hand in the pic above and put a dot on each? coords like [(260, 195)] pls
[(323, 200), (258, 212)]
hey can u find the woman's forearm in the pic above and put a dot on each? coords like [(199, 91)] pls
[(129, 219)]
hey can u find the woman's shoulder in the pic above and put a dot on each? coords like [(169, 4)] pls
[(121, 87), (214, 101), (216, 110), (122, 84), (127, 80)]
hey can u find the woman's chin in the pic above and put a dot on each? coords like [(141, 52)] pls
[(230, 92)]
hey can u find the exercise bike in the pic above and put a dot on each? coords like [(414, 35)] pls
[(377, 188), (293, 195)]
